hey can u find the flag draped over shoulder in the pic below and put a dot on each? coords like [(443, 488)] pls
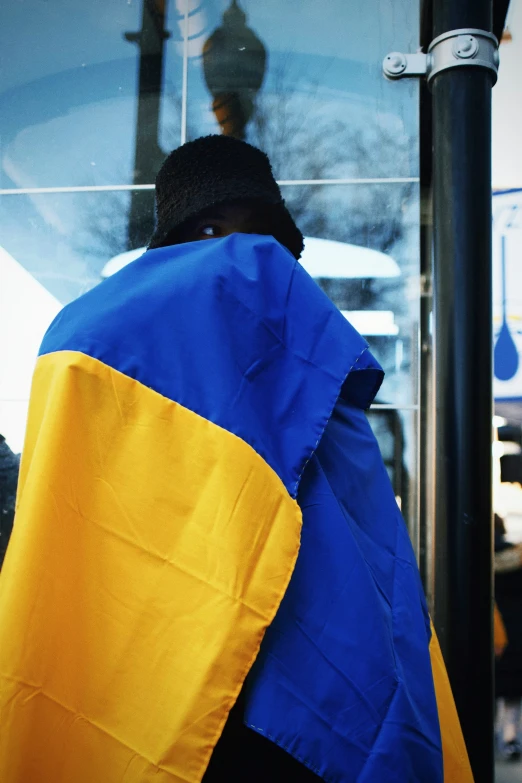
[(188, 416)]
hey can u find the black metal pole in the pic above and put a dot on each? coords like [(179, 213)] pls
[(463, 380)]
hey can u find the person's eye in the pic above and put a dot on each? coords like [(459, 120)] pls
[(210, 230)]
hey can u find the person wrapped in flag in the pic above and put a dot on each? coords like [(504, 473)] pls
[(209, 577)]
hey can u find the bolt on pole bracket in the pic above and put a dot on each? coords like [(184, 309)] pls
[(468, 47)]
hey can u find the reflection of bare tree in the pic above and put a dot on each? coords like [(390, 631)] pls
[(297, 148), (305, 143), (295, 130), (372, 216), (306, 140), (102, 233), (170, 131), (104, 229)]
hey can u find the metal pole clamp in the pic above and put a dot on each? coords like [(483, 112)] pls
[(468, 47)]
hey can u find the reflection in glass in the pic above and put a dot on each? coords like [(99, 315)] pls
[(323, 89), (65, 241), (234, 68), (384, 218), (148, 155), (103, 97), (396, 433), (68, 113)]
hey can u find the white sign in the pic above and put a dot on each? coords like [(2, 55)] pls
[(507, 295)]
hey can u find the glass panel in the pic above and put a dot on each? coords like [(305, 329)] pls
[(396, 432), (73, 112), (318, 104), (65, 240), (54, 248), (378, 290), (85, 111)]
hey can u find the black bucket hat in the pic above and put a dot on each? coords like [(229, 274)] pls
[(213, 170)]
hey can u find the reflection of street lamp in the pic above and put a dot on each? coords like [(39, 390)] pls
[(148, 155), (234, 62)]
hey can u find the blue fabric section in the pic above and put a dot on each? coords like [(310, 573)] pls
[(343, 680), (233, 329)]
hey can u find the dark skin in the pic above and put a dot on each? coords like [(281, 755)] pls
[(225, 219)]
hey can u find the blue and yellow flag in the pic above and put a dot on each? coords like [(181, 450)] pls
[(196, 421)]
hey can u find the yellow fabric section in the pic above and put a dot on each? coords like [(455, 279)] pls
[(151, 549), (499, 632), (457, 768)]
